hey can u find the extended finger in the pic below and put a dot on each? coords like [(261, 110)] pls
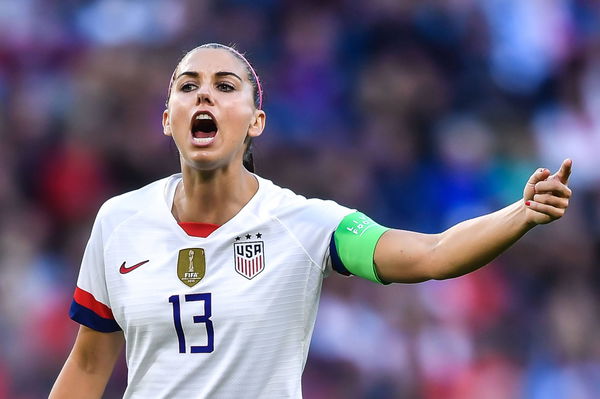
[(553, 186), (565, 171), (551, 200), (549, 210)]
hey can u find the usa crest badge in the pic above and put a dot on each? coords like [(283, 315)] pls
[(191, 266), (249, 257)]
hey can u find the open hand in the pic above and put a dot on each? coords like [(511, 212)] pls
[(547, 196)]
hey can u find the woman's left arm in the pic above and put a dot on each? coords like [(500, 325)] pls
[(409, 257)]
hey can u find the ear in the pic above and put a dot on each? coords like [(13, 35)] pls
[(166, 123), (258, 123)]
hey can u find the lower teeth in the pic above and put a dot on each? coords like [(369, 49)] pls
[(202, 140)]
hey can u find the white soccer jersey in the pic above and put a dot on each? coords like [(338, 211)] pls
[(226, 316)]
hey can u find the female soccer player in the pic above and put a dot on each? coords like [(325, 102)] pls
[(212, 276)]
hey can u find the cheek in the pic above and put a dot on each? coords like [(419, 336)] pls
[(239, 114), (178, 115)]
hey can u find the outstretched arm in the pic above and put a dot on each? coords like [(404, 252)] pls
[(408, 257), (89, 365)]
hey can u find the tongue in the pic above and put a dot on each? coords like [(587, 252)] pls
[(204, 135)]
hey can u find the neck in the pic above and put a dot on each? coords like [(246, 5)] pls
[(213, 196)]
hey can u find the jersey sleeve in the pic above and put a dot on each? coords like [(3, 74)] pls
[(337, 238), (311, 222), (352, 246), (90, 305)]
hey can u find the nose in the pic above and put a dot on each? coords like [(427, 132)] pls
[(204, 95)]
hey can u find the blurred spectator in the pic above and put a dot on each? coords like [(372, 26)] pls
[(419, 113)]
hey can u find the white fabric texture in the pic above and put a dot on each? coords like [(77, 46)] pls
[(262, 326)]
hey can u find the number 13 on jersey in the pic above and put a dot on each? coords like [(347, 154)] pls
[(200, 319)]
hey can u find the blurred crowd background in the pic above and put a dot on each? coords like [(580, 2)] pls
[(420, 113)]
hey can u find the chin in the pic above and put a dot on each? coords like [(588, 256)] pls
[(207, 163)]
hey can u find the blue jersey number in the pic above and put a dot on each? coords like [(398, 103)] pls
[(205, 318)]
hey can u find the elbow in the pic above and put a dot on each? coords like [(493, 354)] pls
[(86, 362), (435, 272), (434, 266), (440, 263), (444, 270), (447, 270), (440, 275)]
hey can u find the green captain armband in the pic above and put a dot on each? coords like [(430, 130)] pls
[(353, 246)]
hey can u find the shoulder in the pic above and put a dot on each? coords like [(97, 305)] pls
[(284, 204), (123, 206)]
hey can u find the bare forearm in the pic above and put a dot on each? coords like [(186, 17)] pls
[(409, 257), (474, 243)]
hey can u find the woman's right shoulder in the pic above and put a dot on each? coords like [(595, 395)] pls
[(129, 203)]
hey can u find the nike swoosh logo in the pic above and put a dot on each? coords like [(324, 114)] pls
[(124, 270)]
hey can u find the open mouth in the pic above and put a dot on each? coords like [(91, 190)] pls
[(204, 128)]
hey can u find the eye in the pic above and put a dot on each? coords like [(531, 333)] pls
[(188, 87), (225, 87)]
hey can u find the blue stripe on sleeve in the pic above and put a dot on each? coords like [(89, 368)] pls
[(336, 262), (88, 318)]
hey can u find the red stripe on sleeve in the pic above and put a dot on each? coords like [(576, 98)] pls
[(86, 299)]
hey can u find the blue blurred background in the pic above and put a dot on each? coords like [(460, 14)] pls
[(420, 113)]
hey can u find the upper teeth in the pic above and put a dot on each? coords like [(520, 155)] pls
[(203, 116)]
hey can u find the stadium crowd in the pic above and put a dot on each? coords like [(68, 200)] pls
[(419, 113)]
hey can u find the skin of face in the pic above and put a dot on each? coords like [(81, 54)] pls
[(212, 80)]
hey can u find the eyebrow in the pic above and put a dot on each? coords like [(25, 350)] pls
[(219, 74)]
